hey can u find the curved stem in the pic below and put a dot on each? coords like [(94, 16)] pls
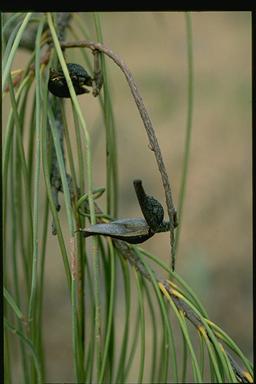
[(154, 146), (189, 124)]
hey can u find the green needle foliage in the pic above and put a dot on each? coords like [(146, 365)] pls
[(165, 334)]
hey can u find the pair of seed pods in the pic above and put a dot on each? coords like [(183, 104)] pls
[(135, 230), (131, 230)]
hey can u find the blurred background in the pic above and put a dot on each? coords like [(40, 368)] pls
[(215, 250)]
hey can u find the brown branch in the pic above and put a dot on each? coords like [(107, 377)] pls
[(153, 142)]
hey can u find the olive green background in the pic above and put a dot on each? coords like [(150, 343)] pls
[(215, 250)]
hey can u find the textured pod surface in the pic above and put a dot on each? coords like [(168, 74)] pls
[(134, 230), (151, 208), (153, 212), (57, 84)]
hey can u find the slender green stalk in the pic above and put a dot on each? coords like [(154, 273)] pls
[(61, 241), (212, 372), (5, 184), (75, 335), (202, 358), (31, 143), (9, 129), (191, 294), (91, 331), (69, 151), (14, 49), (141, 325), (15, 211), (184, 360), (111, 147), (231, 344), (108, 257), (79, 240), (23, 212), (33, 298), (11, 301), (127, 306), (217, 367), (29, 344), (11, 19), (98, 326), (7, 359), (7, 49), (211, 342), (111, 161), (184, 330), (230, 375), (154, 337), (39, 340), (24, 167), (190, 102), (167, 330), (185, 286), (134, 339), (33, 293), (62, 169), (109, 310)]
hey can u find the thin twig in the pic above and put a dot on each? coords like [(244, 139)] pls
[(153, 142), (63, 20)]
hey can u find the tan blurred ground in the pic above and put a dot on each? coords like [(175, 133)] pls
[(215, 253)]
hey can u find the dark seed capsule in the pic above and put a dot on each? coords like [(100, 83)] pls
[(132, 230), (57, 84), (152, 210)]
